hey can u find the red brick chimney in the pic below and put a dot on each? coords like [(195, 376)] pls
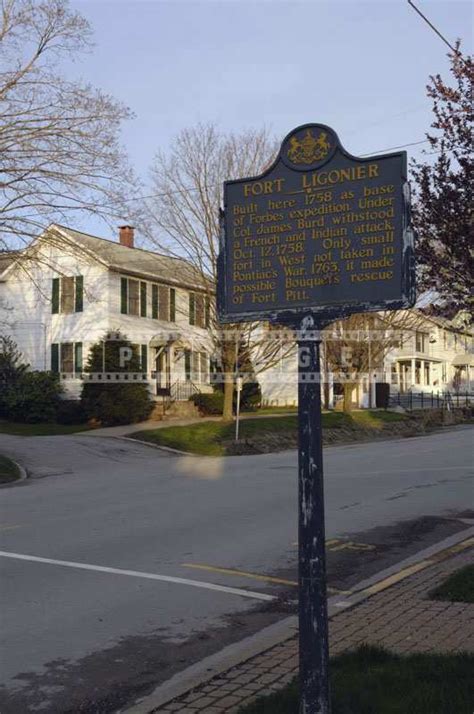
[(126, 235)]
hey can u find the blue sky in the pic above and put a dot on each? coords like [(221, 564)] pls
[(360, 67)]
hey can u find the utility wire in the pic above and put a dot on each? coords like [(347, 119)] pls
[(443, 38), (213, 185)]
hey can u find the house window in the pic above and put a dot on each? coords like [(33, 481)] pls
[(427, 373), (417, 371), (134, 300), (420, 341), (207, 313), (67, 294), (133, 297), (66, 357), (172, 305), (196, 365), (198, 310), (204, 367)]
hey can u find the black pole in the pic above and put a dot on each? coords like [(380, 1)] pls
[(313, 617)]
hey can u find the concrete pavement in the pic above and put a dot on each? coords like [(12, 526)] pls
[(132, 525)]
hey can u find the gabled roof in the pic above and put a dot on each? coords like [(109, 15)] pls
[(135, 261)]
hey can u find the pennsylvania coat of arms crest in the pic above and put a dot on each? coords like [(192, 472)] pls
[(309, 149)]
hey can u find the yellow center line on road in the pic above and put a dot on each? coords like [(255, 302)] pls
[(254, 576)]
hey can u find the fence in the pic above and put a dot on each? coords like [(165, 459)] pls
[(431, 400)]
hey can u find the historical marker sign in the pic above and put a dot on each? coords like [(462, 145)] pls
[(320, 232), (319, 235)]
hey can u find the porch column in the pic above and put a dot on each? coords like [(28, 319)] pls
[(412, 379), (171, 375), (422, 373)]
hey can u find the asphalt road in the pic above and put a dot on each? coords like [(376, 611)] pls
[(132, 526)]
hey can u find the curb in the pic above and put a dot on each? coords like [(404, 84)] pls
[(201, 672), (22, 475), (156, 446)]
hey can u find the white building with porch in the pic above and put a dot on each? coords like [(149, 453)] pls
[(68, 290)]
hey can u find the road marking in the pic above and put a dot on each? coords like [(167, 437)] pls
[(255, 576), (335, 544), (137, 574)]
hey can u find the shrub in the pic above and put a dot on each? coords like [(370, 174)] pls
[(250, 397), (34, 398), (115, 402), (11, 369), (209, 404), (71, 411)]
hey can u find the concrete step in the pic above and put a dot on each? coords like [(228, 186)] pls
[(176, 410)]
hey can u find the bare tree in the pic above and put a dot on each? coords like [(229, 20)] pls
[(188, 185), (59, 147), (357, 345)]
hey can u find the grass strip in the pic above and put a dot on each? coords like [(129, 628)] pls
[(208, 438), (459, 587), (8, 470), (371, 680)]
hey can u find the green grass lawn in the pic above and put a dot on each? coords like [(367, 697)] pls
[(9, 427), (459, 587), (272, 410), (208, 437), (8, 470), (373, 681)]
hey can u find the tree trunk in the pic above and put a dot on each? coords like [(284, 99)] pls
[(348, 388)]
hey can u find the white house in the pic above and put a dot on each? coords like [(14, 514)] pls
[(70, 289), (435, 357)]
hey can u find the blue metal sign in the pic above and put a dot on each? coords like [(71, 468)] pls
[(320, 232)]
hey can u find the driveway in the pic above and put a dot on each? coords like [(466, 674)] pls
[(121, 563)]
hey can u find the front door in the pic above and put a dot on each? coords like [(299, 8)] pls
[(162, 370)]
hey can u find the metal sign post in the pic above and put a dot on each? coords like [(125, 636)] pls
[(313, 616), (320, 235), (238, 386)]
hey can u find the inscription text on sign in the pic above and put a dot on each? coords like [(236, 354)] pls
[(320, 231)]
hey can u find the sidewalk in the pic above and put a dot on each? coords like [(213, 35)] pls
[(127, 429), (397, 616)]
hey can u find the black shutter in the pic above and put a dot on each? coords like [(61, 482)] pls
[(144, 358), (192, 309), (55, 357), (55, 296), (187, 364), (142, 299), (154, 302), (123, 296), (79, 301)]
